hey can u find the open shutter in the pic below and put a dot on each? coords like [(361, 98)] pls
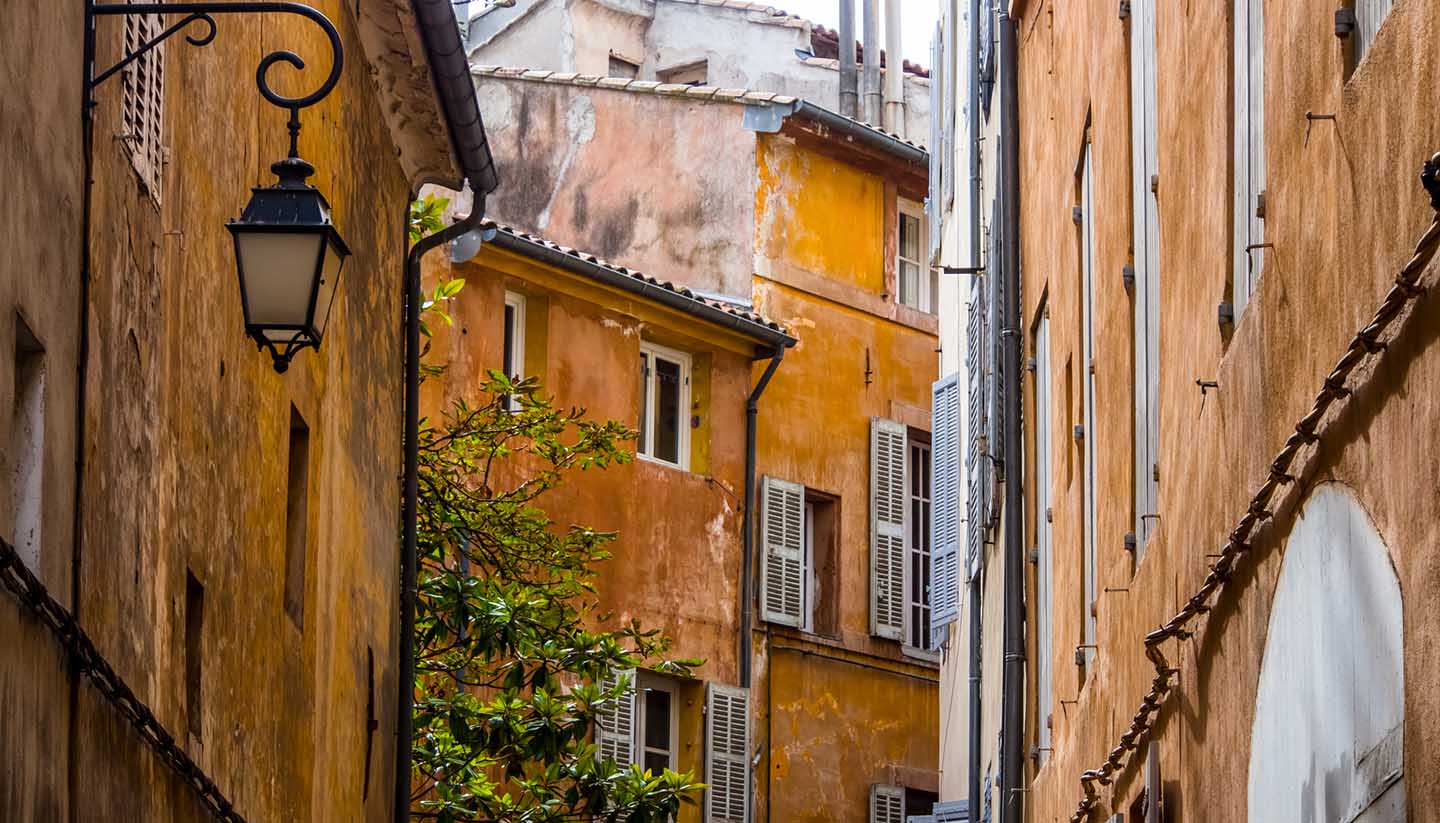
[(887, 528), (782, 534), (945, 506), (727, 754), (615, 729), (977, 464), (887, 804)]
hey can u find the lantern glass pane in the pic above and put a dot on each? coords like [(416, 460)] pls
[(329, 278), (279, 271)]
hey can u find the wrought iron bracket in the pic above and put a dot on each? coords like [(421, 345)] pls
[(203, 13)]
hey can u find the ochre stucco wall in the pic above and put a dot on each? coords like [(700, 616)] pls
[(1343, 213), (186, 439), (813, 277)]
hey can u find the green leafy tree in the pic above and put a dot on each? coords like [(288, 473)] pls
[(510, 647)]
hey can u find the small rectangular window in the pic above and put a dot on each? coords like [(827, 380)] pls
[(513, 354), (194, 648), (665, 405), (689, 74), (27, 444), (297, 519), (658, 723), (917, 546), (624, 67), (917, 284)]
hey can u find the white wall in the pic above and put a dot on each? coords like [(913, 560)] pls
[(1326, 739)]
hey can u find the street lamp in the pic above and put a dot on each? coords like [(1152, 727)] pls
[(287, 252), (289, 256)]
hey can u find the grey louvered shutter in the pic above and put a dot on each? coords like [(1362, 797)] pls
[(782, 537), (887, 804), (615, 729), (994, 323), (945, 437), (887, 528), (727, 754), (934, 211), (977, 464), (951, 811)]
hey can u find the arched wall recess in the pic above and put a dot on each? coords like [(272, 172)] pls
[(1326, 743)]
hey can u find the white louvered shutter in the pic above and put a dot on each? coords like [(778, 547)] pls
[(782, 534), (945, 507), (727, 754), (887, 528), (615, 729), (887, 804)]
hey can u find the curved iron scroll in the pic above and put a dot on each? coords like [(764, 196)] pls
[(202, 12)]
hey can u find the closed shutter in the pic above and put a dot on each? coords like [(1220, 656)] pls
[(727, 754), (615, 729), (887, 528), (934, 211), (1369, 14), (945, 507), (887, 804), (782, 536)]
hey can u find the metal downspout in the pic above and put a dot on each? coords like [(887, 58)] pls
[(409, 562), (870, 62), (1012, 764), (747, 559), (976, 595)]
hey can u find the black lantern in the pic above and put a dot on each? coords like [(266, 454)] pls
[(289, 256)]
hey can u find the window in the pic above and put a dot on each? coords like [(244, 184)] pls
[(799, 537), (917, 284), (142, 109), (297, 517), (665, 405), (513, 352), (1145, 242), (1044, 478), (27, 444), (658, 724), (1248, 138), (917, 546), (690, 74), (1087, 433), (623, 67)]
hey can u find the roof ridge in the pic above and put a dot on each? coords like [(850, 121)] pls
[(733, 309), (698, 93)]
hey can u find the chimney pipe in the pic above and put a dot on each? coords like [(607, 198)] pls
[(849, 79), (870, 69), (894, 71)]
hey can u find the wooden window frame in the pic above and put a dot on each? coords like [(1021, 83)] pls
[(650, 399), (925, 298)]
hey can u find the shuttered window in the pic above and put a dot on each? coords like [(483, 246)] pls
[(939, 161), (1044, 573), (945, 437), (727, 758), (977, 463), (1145, 240), (783, 562), (615, 729), (887, 804), (918, 543), (1087, 359), (142, 107), (1369, 14), (887, 529), (1248, 139)]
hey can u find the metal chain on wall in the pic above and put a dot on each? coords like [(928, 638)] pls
[(1308, 432), (27, 588)]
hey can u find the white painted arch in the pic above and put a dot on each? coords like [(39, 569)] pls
[(1326, 743)]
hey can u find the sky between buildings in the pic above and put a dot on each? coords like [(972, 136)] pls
[(917, 21)]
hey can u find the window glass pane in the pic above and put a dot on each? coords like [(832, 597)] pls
[(644, 443), (667, 411), (656, 763), (657, 720), (909, 237), (909, 284), (509, 364)]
